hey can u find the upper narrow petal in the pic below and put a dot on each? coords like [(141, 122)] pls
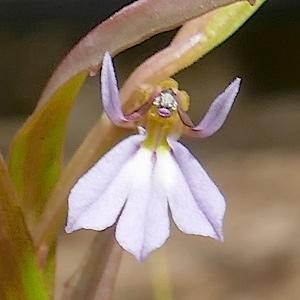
[(96, 182), (111, 97), (144, 223), (187, 214), (217, 112), (110, 92), (206, 194)]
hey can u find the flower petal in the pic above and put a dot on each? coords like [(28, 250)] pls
[(186, 213), (94, 201), (144, 223), (217, 112), (111, 97), (110, 92), (194, 183)]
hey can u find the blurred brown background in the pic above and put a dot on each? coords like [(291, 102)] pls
[(254, 159)]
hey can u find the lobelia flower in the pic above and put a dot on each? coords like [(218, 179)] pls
[(143, 177)]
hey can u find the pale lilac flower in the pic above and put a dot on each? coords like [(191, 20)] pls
[(136, 183)]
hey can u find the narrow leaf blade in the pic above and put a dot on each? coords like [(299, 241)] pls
[(20, 278), (36, 152)]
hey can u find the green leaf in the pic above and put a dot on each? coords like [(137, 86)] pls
[(36, 152), (20, 277)]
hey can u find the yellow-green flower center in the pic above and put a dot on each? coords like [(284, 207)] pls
[(162, 120)]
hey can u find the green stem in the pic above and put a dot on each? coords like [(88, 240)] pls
[(160, 276)]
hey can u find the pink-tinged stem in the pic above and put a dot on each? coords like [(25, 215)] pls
[(96, 277)]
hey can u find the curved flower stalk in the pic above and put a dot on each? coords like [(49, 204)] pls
[(141, 178)]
